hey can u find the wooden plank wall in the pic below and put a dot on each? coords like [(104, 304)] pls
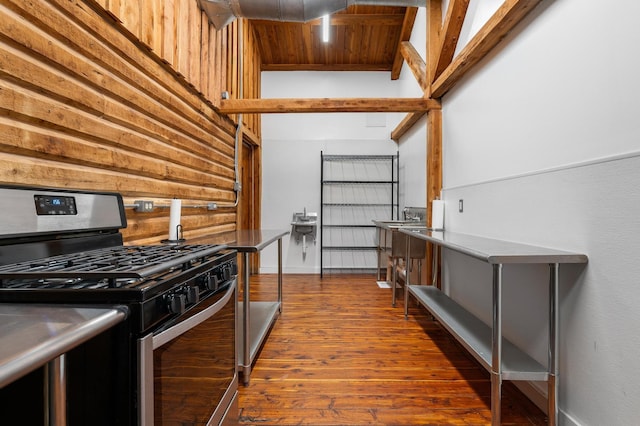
[(120, 95)]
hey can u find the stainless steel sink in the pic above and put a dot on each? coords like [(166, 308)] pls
[(395, 242), (304, 225)]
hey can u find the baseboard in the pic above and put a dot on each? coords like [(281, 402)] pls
[(539, 397), (534, 393)]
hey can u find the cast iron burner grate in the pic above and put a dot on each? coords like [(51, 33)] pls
[(122, 262)]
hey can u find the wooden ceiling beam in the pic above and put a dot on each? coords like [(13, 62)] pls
[(450, 34), (416, 64), (321, 105), (434, 25), (405, 35), (503, 20), (407, 123)]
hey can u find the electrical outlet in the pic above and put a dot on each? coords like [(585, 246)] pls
[(460, 206), (143, 206)]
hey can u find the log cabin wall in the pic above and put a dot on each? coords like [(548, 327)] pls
[(116, 95)]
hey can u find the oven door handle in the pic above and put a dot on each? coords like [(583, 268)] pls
[(191, 322)]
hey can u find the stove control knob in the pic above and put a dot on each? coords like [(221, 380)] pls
[(176, 303), (219, 275), (193, 295), (208, 281), (203, 280), (226, 272), (215, 282)]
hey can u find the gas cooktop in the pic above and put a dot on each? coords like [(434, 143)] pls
[(135, 269)]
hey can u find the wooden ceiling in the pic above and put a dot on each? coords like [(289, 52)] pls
[(362, 38)]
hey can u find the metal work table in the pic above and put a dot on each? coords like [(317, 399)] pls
[(256, 317), (35, 335), (501, 358)]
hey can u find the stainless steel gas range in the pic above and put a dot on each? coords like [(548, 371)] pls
[(172, 361)]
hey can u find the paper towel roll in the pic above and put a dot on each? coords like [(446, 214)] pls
[(174, 219), (437, 214)]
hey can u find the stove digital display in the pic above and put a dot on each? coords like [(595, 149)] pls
[(48, 205)]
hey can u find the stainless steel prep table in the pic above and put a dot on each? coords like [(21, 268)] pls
[(35, 335), (501, 358), (257, 317)]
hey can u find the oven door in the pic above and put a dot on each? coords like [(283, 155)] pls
[(187, 372)]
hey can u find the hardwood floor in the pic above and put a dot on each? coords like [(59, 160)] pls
[(341, 355)]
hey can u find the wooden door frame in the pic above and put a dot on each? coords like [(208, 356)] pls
[(249, 212)]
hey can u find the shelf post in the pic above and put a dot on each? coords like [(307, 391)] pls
[(496, 346)]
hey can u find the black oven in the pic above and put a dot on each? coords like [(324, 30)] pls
[(187, 367), (173, 361)]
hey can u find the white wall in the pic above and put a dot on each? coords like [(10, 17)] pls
[(292, 144), (542, 141)]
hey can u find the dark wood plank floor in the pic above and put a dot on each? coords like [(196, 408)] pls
[(341, 355)]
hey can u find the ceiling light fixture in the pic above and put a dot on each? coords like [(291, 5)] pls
[(325, 28)]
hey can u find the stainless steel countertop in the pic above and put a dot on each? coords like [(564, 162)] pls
[(243, 240), (495, 251), (32, 335)]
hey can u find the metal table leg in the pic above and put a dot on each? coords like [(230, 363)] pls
[(379, 251), (55, 399), (496, 346), (56, 392), (280, 275), (394, 278), (552, 384), (407, 281), (246, 368), (434, 267)]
